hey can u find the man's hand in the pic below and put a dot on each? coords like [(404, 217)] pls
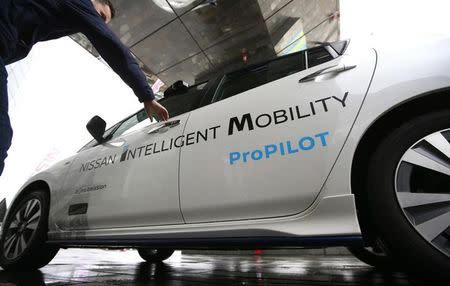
[(154, 106)]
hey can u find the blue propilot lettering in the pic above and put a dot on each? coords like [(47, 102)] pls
[(290, 151), (306, 146), (282, 149), (303, 144), (270, 149), (234, 156), (257, 155)]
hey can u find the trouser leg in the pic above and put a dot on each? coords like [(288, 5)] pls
[(5, 124)]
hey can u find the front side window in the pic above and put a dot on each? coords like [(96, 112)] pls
[(185, 102), (258, 75), (135, 122)]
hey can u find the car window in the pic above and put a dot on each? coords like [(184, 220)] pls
[(140, 119), (239, 82), (258, 75), (286, 65), (185, 102), (318, 55)]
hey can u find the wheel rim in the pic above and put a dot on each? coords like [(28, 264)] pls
[(422, 186), (22, 229)]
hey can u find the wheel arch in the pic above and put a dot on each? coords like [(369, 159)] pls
[(374, 134), (33, 186)]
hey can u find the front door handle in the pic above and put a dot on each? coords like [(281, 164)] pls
[(331, 69), (164, 126)]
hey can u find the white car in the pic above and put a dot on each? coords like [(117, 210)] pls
[(334, 145)]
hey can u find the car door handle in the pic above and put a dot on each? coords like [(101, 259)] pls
[(164, 126), (331, 69)]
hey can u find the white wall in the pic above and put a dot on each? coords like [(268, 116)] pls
[(52, 95), (394, 22)]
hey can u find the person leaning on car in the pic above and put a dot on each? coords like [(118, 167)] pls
[(26, 22)]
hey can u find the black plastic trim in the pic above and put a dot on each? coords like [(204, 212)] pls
[(234, 242), (340, 46), (78, 209)]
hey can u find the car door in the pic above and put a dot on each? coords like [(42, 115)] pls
[(280, 127), (130, 180)]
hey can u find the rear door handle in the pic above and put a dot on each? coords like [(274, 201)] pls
[(164, 126), (335, 69)]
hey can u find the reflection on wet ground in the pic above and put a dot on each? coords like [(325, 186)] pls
[(100, 267)]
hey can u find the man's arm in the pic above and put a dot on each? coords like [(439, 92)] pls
[(119, 58)]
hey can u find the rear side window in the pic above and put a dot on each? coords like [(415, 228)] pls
[(285, 66), (317, 56), (255, 76)]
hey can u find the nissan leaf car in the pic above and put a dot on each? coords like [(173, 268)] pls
[(338, 145)]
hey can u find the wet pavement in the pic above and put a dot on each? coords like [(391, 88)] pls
[(101, 267)]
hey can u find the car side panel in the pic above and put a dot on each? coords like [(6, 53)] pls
[(217, 189), (331, 215), (131, 180)]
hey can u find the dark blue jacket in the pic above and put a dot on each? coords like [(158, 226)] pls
[(26, 22)]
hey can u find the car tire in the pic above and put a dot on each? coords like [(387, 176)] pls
[(23, 241), (374, 255), (155, 255), (404, 226)]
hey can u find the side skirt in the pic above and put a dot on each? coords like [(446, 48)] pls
[(216, 243)]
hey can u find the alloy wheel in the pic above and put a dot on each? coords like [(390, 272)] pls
[(422, 185), (22, 229)]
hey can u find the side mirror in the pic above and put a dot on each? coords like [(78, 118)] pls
[(96, 127)]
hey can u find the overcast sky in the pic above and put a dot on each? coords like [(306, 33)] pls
[(394, 21), (53, 94)]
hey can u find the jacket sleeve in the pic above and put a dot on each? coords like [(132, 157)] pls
[(84, 17)]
